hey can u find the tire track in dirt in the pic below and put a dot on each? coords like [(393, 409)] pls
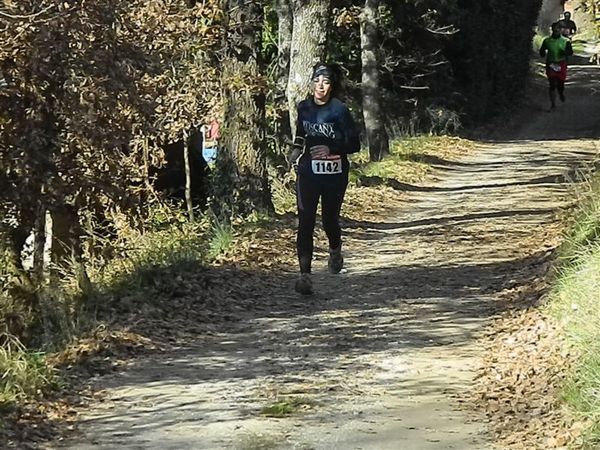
[(378, 357)]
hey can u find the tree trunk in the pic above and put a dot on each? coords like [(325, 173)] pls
[(550, 13), (242, 170), (21, 285), (373, 115), (188, 175), (67, 248), (309, 36), (282, 125), (285, 26), (39, 243)]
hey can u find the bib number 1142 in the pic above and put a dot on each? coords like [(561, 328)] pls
[(327, 166)]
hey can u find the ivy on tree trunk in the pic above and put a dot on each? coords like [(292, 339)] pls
[(285, 29), (374, 117), (241, 183), (309, 36)]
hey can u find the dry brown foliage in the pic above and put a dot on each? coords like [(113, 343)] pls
[(522, 372), (91, 91)]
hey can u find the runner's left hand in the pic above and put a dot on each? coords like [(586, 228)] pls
[(319, 151), (293, 157)]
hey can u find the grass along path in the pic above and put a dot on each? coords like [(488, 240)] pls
[(521, 380)]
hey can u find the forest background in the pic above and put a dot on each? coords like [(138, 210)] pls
[(101, 103)]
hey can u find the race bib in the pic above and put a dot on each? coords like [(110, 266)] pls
[(327, 166), (555, 67)]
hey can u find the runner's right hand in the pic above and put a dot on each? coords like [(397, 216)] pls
[(319, 151)]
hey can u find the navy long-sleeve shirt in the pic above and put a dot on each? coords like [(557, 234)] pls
[(330, 124)]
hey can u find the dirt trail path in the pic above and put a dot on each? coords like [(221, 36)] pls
[(381, 353)]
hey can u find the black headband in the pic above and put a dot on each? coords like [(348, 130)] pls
[(324, 70)]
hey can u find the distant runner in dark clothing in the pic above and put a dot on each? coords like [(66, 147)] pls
[(556, 49), (325, 134), (568, 26)]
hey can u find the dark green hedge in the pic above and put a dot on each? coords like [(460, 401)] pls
[(490, 55), (471, 57)]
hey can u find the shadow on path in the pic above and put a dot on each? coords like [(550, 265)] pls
[(380, 349)]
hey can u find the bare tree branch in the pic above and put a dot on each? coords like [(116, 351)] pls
[(415, 88), (26, 16), (448, 30)]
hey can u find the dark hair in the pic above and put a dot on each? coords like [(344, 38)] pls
[(333, 72), (325, 70)]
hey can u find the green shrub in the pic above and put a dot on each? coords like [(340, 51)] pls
[(23, 374), (221, 238), (575, 302)]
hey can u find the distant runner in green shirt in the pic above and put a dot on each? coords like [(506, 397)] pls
[(556, 49)]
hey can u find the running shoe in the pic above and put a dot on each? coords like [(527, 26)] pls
[(336, 260), (304, 284)]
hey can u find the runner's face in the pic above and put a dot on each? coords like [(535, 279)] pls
[(321, 89)]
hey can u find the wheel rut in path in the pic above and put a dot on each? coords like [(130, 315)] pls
[(379, 356)]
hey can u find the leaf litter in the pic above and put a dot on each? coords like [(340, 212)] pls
[(516, 387), (522, 370), (174, 308)]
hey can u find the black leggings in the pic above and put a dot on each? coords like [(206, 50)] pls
[(331, 190), (556, 85)]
